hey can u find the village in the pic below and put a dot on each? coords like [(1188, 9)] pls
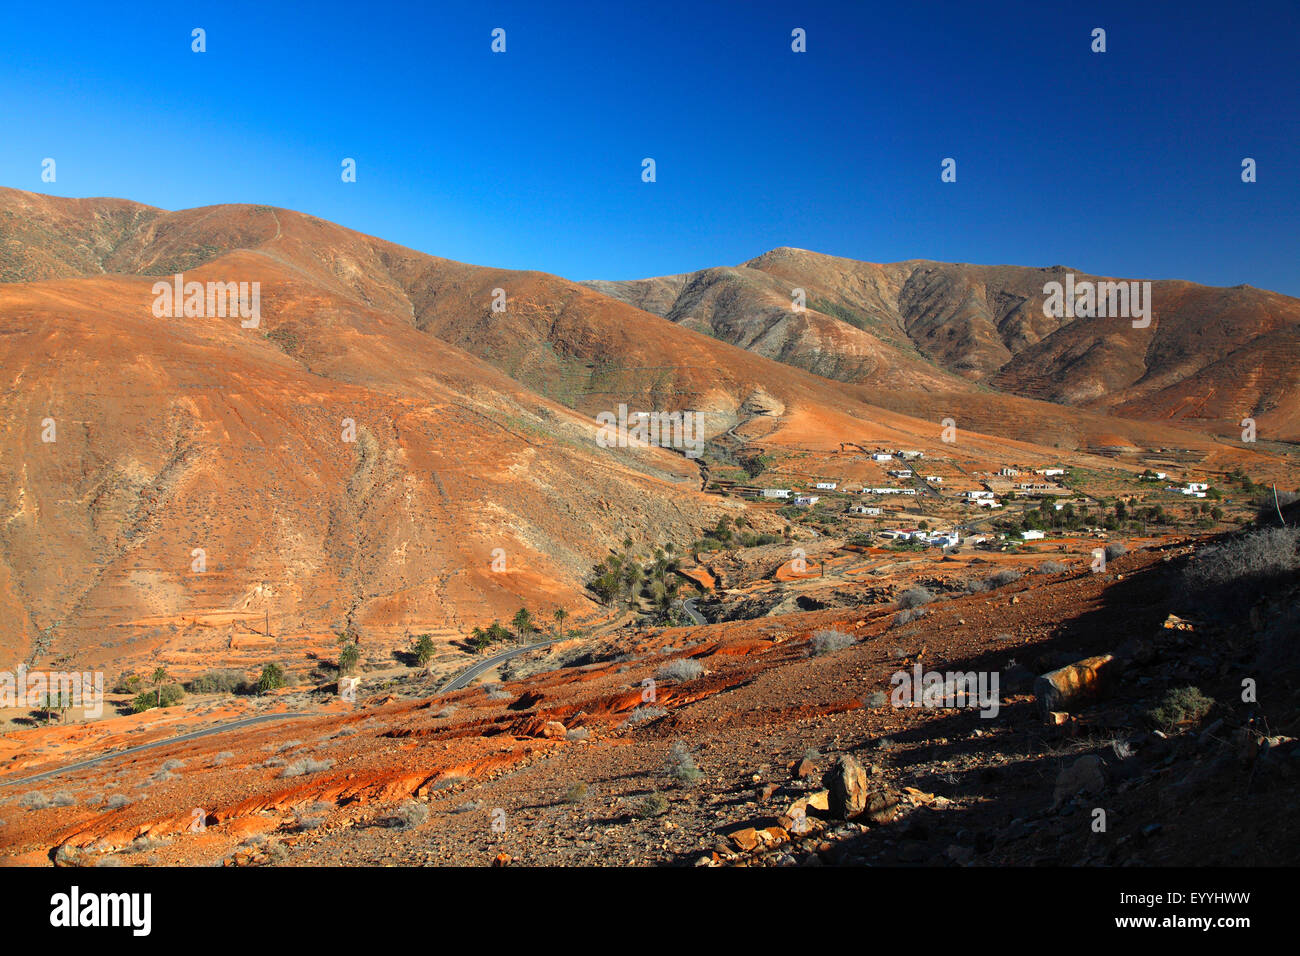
[(902, 497)]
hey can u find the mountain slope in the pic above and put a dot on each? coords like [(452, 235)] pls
[(929, 326)]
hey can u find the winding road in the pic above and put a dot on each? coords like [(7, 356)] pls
[(458, 682), (462, 679), (696, 617), (193, 735)]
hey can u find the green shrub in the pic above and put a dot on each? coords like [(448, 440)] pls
[(1180, 705), (654, 805), (682, 669), (824, 642), (167, 695), (218, 682), (272, 677), (576, 793), (914, 597), (681, 765), (1235, 573)]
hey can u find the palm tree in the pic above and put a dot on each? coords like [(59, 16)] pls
[(424, 649), (523, 622), (349, 658), (560, 615), (160, 676)]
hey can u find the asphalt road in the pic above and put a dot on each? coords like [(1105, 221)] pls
[(696, 617), (462, 679), (193, 735)]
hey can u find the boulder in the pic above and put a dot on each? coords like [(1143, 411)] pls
[(849, 795), (804, 768), (847, 786), (1083, 680)]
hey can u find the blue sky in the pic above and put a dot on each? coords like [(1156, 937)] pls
[(1123, 163)]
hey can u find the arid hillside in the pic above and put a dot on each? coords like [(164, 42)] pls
[(399, 444), (192, 490), (786, 741), (1210, 357)]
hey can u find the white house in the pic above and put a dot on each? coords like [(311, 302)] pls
[(776, 492), (865, 510), (1009, 472), (1192, 493), (1031, 535), (976, 495), (945, 539), (807, 500), (1197, 486), (934, 479), (1049, 472), (825, 486), (881, 456), (987, 503), (901, 473), (1154, 476), (910, 455)]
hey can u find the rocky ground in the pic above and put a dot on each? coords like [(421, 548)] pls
[(758, 743)]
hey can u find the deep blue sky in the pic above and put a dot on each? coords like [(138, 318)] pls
[(1124, 163)]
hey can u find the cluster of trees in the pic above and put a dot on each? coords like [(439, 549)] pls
[(729, 533), (522, 626), (624, 577), (755, 465), (1123, 515), (165, 692)]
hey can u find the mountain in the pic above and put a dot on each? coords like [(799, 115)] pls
[(180, 442), (385, 449), (1209, 357)]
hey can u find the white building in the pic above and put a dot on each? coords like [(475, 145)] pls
[(910, 455), (987, 503), (865, 509), (901, 473), (934, 479), (1031, 535), (776, 492), (1197, 486), (945, 539), (807, 501), (881, 456), (977, 495), (1049, 472), (825, 486)]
